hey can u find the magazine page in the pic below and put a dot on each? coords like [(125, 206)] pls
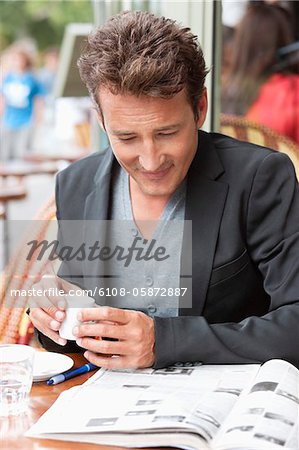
[(193, 399), (267, 414)]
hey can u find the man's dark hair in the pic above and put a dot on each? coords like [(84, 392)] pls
[(139, 53)]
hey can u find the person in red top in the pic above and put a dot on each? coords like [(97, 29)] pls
[(261, 85), (277, 105)]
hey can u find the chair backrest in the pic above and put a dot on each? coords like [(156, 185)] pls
[(245, 130), (12, 308)]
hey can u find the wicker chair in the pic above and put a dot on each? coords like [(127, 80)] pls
[(244, 130), (17, 276), (11, 316)]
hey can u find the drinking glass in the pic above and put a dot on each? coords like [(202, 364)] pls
[(16, 371)]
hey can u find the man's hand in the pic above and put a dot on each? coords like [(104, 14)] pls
[(133, 330), (48, 312)]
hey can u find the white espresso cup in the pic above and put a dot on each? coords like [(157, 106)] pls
[(73, 306)]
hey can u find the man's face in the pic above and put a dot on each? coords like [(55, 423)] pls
[(154, 139)]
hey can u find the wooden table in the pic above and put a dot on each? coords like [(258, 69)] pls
[(41, 398), (8, 193), (56, 157), (21, 168)]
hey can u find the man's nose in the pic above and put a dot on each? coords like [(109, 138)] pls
[(150, 159)]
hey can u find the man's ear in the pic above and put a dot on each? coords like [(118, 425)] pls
[(202, 107)]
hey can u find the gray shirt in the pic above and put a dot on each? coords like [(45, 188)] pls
[(147, 285)]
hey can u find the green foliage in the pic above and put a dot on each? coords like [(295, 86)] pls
[(44, 20)]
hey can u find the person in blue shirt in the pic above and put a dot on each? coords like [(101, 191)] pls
[(46, 75), (21, 104)]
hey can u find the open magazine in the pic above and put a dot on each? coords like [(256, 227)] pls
[(190, 407)]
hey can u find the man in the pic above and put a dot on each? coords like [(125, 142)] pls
[(146, 76)]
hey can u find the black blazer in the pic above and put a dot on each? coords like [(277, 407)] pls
[(243, 201)]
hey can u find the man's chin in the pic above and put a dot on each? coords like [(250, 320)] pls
[(155, 190)]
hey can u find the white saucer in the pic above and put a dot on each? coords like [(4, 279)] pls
[(48, 364)]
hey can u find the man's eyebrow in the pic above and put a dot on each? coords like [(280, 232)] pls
[(169, 127), (122, 133), (129, 133)]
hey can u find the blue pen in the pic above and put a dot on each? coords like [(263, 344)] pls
[(71, 374)]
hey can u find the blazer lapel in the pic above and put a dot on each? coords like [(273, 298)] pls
[(97, 202), (96, 214), (205, 200)]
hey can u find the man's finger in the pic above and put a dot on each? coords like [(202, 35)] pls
[(104, 313), (100, 330), (43, 323), (55, 337), (51, 308), (45, 292), (104, 347), (110, 362), (40, 316)]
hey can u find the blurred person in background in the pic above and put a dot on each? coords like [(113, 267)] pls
[(47, 73), (261, 85), (228, 37), (21, 105)]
